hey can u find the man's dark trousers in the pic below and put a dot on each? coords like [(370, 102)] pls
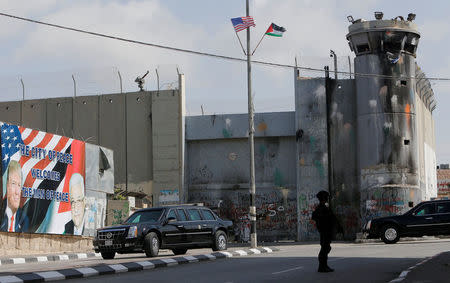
[(325, 248)]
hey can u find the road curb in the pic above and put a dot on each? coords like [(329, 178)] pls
[(22, 260), (404, 273), (127, 266)]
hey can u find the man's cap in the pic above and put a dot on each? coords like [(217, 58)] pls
[(323, 195)]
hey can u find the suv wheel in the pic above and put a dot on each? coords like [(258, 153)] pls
[(108, 255), (151, 244), (220, 241), (390, 234), (179, 251)]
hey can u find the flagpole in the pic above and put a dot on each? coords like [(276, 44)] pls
[(240, 42), (259, 43), (251, 132)]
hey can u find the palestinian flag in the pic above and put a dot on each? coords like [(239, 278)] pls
[(275, 30)]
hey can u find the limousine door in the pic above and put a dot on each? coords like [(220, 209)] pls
[(443, 215), (173, 231), (424, 220)]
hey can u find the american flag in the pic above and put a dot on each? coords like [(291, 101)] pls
[(13, 138), (242, 23)]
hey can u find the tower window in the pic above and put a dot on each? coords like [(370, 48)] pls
[(403, 83), (406, 142), (363, 48)]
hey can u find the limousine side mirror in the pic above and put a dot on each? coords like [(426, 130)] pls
[(171, 220)]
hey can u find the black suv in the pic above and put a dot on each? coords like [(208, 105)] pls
[(178, 228), (426, 218)]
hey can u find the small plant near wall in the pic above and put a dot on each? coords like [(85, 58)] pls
[(118, 194)]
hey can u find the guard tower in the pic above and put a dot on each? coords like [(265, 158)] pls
[(387, 146)]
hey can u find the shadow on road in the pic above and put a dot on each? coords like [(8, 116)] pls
[(272, 269)]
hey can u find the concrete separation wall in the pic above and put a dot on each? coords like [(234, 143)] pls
[(312, 152), (217, 171), (134, 125)]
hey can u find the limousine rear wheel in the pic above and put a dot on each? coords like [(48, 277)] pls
[(390, 234), (220, 241), (151, 244)]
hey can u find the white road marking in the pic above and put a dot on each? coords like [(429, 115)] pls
[(118, 268), (42, 259), (18, 260), (287, 270), (146, 264), (255, 251), (269, 250), (63, 257), (227, 254), (10, 279), (82, 255), (190, 258), (51, 275), (241, 252), (169, 261), (87, 271)]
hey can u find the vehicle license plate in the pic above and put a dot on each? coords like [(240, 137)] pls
[(108, 242)]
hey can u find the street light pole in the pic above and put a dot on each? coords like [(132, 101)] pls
[(251, 132)]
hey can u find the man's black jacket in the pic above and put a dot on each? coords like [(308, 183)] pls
[(326, 221)]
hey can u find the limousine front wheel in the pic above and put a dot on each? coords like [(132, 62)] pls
[(390, 234), (151, 245), (220, 241)]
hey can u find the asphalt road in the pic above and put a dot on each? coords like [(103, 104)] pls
[(371, 262)]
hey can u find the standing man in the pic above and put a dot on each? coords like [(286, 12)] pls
[(14, 219), (325, 222)]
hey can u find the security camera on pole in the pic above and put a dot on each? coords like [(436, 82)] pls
[(240, 24)]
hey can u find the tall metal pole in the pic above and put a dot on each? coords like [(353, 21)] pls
[(251, 132), (349, 67)]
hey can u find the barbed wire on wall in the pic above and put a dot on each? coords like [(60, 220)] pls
[(86, 82)]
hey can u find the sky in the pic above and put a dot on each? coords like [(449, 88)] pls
[(45, 58)]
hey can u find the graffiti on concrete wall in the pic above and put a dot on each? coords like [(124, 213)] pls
[(204, 175), (275, 208), (385, 201), (348, 217), (169, 197), (117, 211), (307, 202), (95, 215)]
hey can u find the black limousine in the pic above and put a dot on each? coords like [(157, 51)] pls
[(425, 219), (177, 228)]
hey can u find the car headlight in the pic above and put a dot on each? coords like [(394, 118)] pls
[(132, 232), (368, 225)]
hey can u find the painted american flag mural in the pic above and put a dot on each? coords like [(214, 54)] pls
[(46, 163)]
